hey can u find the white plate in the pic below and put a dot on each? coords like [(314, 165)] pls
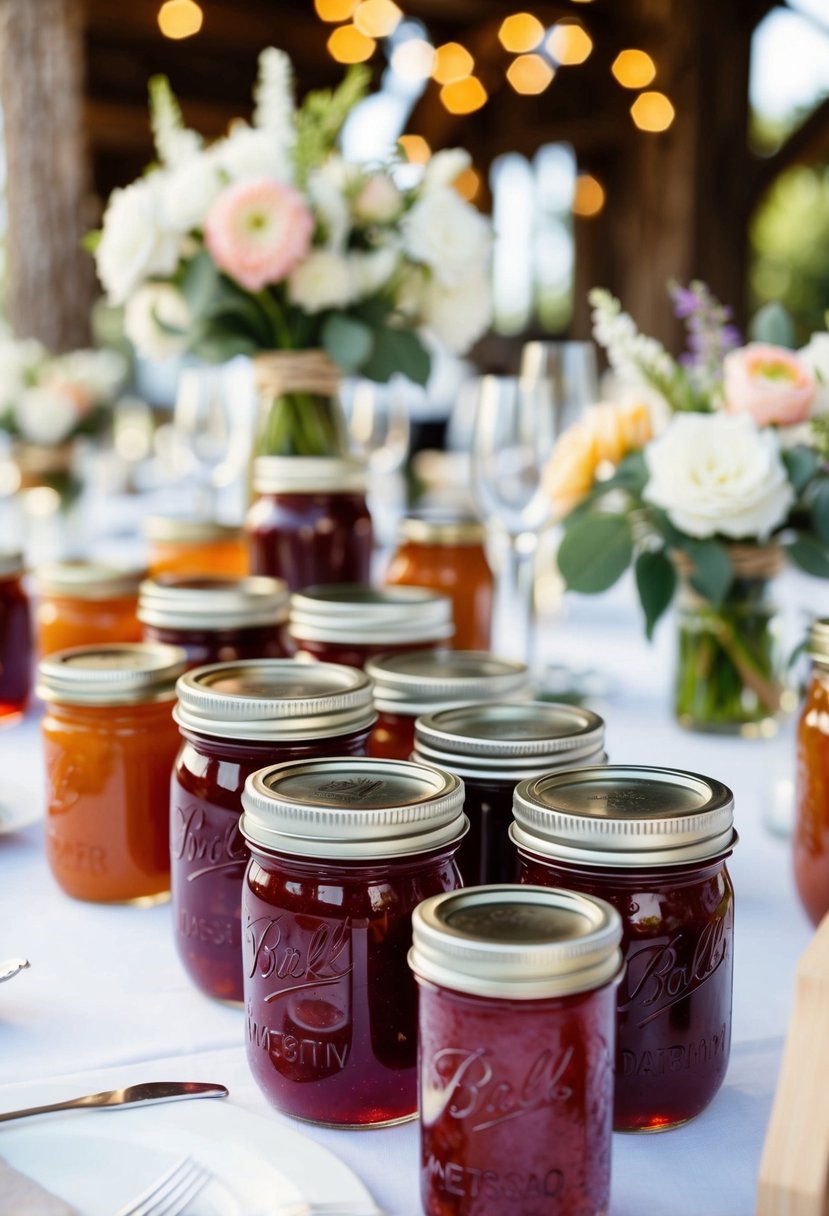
[(18, 808), (98, 1161)]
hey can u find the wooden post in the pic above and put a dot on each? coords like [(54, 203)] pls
[(51, 283)]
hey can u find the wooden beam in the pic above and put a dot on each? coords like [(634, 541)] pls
[(807, 144)]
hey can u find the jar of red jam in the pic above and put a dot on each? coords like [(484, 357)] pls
[(341, 853), (310, 523), (235, 718), (811, 834), (515, 1053), (85, 604), (350, 624), (447, 554), (15, 637), (187, 545), (653, 843), (215, 619), (493, 747), (423, 681), (110, 743)]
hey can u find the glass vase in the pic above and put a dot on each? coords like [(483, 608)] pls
[(730, 655), (300, 413)]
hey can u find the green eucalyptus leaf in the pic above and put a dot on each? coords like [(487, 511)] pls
[(631, 474), (656, 584), (595, 552), (820, 511), (348, 342), (809, 554), (397, 350), (774, 325), (672, 536), (801, 465), (200, 283), (712, 574)]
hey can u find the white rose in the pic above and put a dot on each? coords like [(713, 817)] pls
[(445, 166), (816, 357), (446, 234), (248, 153), (372, 271), (45, 416), (322, 281), (718, 473), (378, 201), (189, 191), (457, 316), (136, 241), (154, 305)]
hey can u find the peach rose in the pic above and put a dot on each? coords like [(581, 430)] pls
[(769, 383), (258, 231), (569, 476), (619, 429)]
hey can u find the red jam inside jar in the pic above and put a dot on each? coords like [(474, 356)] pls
[(310, 523), (515, 1051), (811, 836), (235, 718), (15, 637), (215, 619), (341, 853), (350, 624), (409, 685), (493, 747), (664, 871)]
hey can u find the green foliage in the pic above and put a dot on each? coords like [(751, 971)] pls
[(595, 552), (656, 584), (772, 324), (809, 554), (819, 508), (712, 576), (320, 118), (348, 342), (801, 465), (397, 350)]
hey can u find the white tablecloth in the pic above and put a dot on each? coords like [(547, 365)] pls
[(106, 1002)]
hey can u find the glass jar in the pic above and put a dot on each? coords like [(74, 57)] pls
[(235, 718), (493, 747), (15, 638), (653, 843), (516, 1028), (178, 545), (85, 604), (448, 555), (216, 620), (350, 624), (341, 853), (420, 682), (811, 834), (110, 743), (310, 523)]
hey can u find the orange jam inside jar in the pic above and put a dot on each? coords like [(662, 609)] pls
[(110, 744), (653, 843), (448, 555), (178, 545), (350, 624), (215, 619), (422, 682), (15, 637), (811, 836), (85, 604)]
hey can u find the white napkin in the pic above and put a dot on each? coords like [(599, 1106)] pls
[(25, 1197)]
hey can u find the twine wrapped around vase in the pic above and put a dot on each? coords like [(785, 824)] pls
[(747, 561), (296, 371)]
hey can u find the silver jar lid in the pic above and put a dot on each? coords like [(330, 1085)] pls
[(308, 475), (87, 580), (374, 616), (212, 602), (624, 815), (186, 530), (278, 699), (510, 741), (352, 807), (420, 681), (11, 563), (111, 674), (520, 942)]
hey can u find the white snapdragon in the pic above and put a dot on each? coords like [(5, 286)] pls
[(323, 280), (457, 316), (46, 416), (151, 314), (174, 142), (636, 359), (136, 241), (446, 234)]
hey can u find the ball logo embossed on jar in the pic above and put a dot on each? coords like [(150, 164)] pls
[(214, 846)]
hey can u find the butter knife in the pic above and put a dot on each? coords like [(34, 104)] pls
[(12, 967), (133, 1095)]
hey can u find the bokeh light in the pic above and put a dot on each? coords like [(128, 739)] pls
[(633, 69), (180, 18), (529, 74), (520, 32), (335, 10), (463, 96), (415, 149), (588, 196), (413, 59), (652, 112), (348, 45), (377, 18), (452, 62), (569, 43), (468, 183)]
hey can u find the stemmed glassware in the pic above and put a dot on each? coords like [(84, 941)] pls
[(202, 430), (569, 373), (379, 433)]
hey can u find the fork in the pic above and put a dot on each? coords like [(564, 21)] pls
[(170, 1194)]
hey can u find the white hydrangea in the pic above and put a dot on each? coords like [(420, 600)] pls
[(154, 306), (137, 241), (446, 234), (323, 280), (457, 316), (46, 416)]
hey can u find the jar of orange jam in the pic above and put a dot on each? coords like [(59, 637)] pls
[(85, 603), (811, 835), (448, 555), (110, 744), (178, 545)]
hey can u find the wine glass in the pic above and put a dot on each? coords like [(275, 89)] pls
[(512, 439), (568, 372), (202, 429), (379, 431)]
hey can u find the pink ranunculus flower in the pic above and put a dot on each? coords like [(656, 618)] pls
[(769, 383), (258, 231)]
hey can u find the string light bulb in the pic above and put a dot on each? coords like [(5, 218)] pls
[(464, 96), (347, 44), (652, 111), (633, 69), (452, 62), (588, 196), (521, 32), (180, 19), (529, 74)]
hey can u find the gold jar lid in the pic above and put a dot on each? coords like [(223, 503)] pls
[(518, 942), (111, 674), (819, 641), (352, 806), (196, 601), (183, 530), (88, 580), (441, 530), (309, 475), (624, 815), (11, 563)]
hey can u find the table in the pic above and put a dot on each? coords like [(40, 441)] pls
[(106, 1001)]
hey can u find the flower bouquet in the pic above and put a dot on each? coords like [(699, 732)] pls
[(269, 243), (703, 481)]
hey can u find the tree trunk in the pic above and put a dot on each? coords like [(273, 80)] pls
[(51, 282)]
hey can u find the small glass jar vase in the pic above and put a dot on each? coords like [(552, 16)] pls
[(341, 853), (234, 718), (730, 655), (653, 843), (517, 991), (419, 682), (85, 604), (811, 834), (300, 413), (16, 657), (492, 748)]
